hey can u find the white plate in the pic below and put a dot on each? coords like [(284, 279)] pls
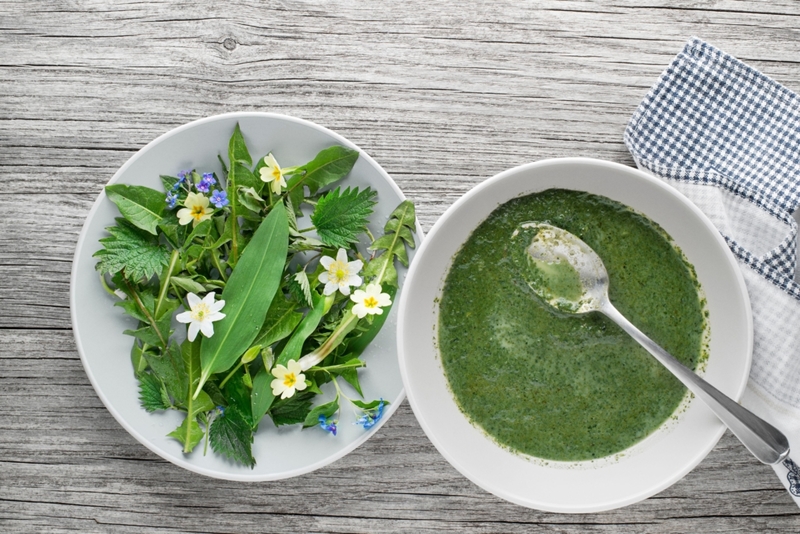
[(642, 470), (279, 452)]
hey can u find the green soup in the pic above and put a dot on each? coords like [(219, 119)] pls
[(558, 386)]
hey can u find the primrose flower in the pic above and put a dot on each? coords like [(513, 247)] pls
[(371, 417), (171, 200), (339, 273), (273, 174), (201, 315), (195, 209), (288, 379), (370, 302), (327, 424), (219, 198), (205, 183)]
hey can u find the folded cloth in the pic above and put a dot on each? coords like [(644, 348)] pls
[(728, 138)]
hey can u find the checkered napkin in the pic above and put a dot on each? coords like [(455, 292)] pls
[(728, 138)]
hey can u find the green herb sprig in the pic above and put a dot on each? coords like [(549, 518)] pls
[(274, 311)]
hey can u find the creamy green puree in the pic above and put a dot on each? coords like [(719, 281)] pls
[(559, 386)]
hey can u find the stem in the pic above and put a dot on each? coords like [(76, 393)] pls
[(106, 286), (222, 384), (310, 228), (162, 294), (146, 314), (315, 357), (215, 259)]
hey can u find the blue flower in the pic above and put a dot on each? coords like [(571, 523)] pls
[(183, 174), (219, 199), (205, 183), (327, 424), (171, 200), (371, 417)]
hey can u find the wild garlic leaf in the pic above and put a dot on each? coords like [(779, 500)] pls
[(247, 295), (329, 166), (232, 437), (369, 405), (150, 393), (132, 251), (261, 398), (188, 433), (293, 410), (141, 206), (293, 348), (279, 323), (327, 410), (340, 216)]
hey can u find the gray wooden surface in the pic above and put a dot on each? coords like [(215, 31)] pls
[(443, 95)]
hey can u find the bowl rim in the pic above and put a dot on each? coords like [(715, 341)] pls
[(412, 274), (81, 242)]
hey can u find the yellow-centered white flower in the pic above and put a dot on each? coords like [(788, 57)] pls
[(339, 273), (201, 314), (195, 209), (370, 302), (289, 379), (272, 174)]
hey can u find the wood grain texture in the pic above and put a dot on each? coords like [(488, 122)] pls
[(442, 95)]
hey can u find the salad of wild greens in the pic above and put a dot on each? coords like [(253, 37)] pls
[(272, 309)]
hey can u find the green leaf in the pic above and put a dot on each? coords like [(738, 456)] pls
[(172, 372), (137, 359), (329, 166), (397, 230), (141, 206), (369, 405), (132, 309), (237, 148), (247, 295), (189, 434), (150, 393), (250, 199), (261, 398), (305, 287), (188, 284), (146, 334), (132, 251), (232, 437), (279, 323), (238, 395), (340, 216), (293, 410), (306, 327), (190, 354), (327, 409), (351, 376)]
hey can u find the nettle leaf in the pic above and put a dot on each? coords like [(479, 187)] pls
[(171, 371), (327, 409), (151, 393), (330, 165), (393, 243), (232, 437), (293, 410), (340, 216), (132, 251), (238, 395), (141, 206), (247, 295)]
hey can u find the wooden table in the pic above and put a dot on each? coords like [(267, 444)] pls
[(443, 95)]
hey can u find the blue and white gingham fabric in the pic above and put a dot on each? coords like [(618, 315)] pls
[(728, 137)]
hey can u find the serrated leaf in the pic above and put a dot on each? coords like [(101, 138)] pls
[(188, 433), (171, 371), (247, 295), (146, 334), (340, 216), (382, 268), (141, 206), (238, 395), (305, 287), (237, 148), (232, 437), (132, 309), (401, 222), (293, 410), (132, 251), (327, 409), (150, 393)]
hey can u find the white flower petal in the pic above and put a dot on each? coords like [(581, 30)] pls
[(326, 261), (193, 329), (344, 288), (300, 385), (341, 256), (217, 306), (216, 316), (354, 280), (209, 299), (360, 310), (193, 300), (323, 277), (330, 288), (207, 328), (185, 317), (355, 266)]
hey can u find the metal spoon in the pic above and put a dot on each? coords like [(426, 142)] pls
[(559, 261)]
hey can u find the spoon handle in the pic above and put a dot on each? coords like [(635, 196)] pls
[(766, 442)]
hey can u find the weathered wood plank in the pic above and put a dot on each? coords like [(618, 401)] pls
[(443, 95)]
